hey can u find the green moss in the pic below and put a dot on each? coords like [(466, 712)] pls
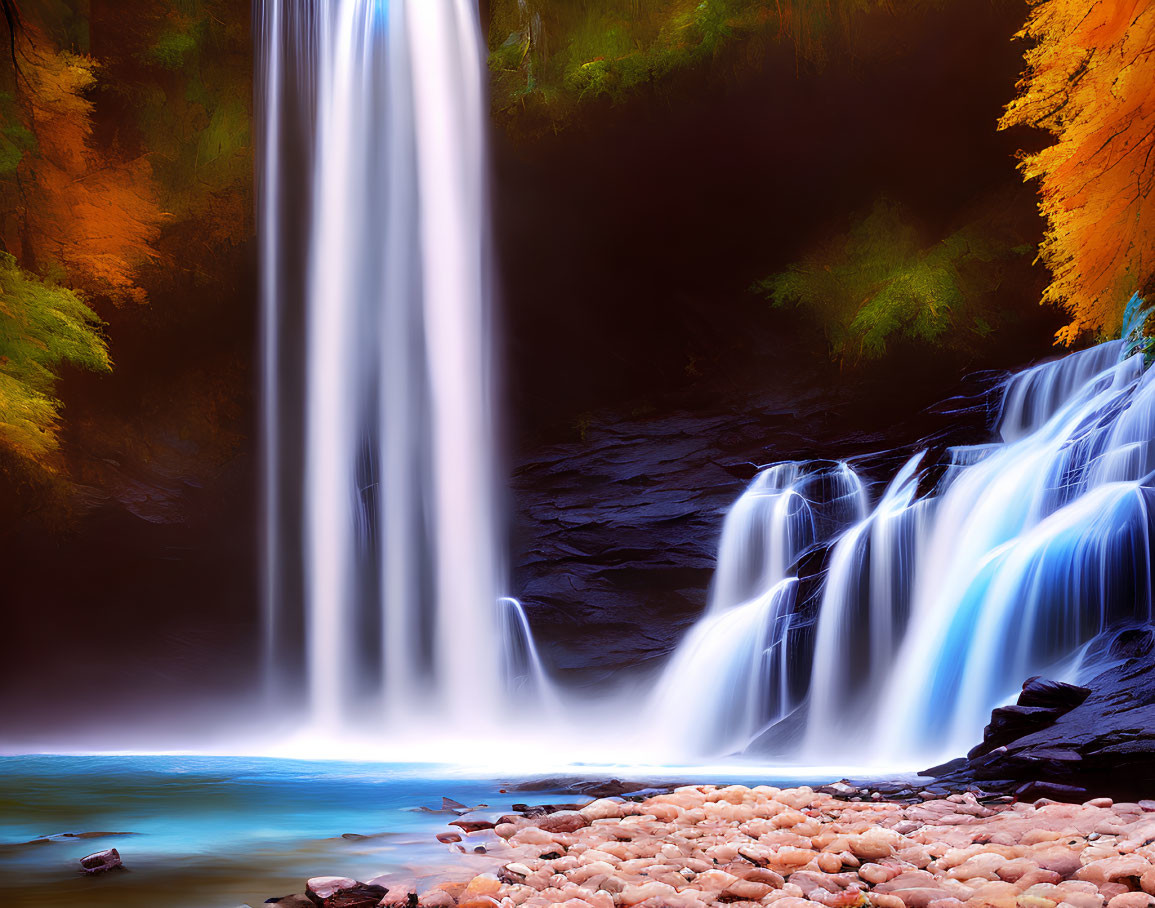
[(42, 326)]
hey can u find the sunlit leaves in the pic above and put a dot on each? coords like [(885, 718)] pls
[(41, 327), (879, 284), (1090, 81)]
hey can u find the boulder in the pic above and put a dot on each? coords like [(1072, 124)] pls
[(1057, 695), (102, 861), (343, 892)]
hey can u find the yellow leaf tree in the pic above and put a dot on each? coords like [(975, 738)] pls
[(1090, 81)]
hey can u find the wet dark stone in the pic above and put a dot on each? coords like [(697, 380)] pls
[(1057, 695), (842, 790), (1009, 723), (576, 785), (345, 893), (102, 861), (469, 826), (946, 769), (1069, 743), (1056, 791)]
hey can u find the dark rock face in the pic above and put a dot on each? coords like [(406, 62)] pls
[(617, 534), (620, 535), (1040, 705), (1069, 743)]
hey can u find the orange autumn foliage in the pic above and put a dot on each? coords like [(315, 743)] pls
[(82, 214), (1090, 81)]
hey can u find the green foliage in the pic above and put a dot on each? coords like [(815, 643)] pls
[(16, 139), (171, 49), (194, 112), (42, 326), (548, 57), (554, 56), (878, 284)]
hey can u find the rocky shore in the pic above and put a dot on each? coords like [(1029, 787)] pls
[(838, 847)]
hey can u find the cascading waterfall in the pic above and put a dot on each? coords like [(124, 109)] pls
[(401, 571), (731, 671), (933, 608), (1034, 546)]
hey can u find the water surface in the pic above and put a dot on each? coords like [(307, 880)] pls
[(202, 832)]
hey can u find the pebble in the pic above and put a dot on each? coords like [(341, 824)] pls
[(740, 847)]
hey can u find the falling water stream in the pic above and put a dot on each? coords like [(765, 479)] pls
[(402, 576)]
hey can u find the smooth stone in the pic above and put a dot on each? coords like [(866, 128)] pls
[(563, 821), (102, 861), (471, 826), (323, 887), (401, 899), (436, 898), (343, 892), (1132, 900)]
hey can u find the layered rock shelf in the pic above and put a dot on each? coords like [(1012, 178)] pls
[(1068, 742), (800, 848)]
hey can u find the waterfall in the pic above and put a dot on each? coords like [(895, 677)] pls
[(970, 574), (400, 568), (1034, 546), (896, 628), (732, 672)]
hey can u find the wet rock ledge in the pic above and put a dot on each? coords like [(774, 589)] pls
[(799, 848), (1067, 742)]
